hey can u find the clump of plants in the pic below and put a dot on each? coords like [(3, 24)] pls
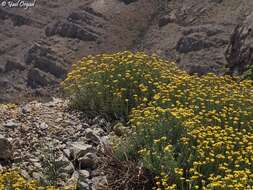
[(13, 180), (196, 133), (116, 83), (190, 132), (7, 106)]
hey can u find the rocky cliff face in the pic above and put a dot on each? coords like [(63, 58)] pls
[(197, 33), (239, 53), (38, 45)]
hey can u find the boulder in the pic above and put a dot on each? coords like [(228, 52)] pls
[(239, 53), (71, 30), (11, 124), (92, 136), (166, 19), (46, 60), (80, 149), (88, 161), (193, 42), (37, 78), (84, 174)]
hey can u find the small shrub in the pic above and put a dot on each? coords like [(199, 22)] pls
[(116, 83), (52, 167)]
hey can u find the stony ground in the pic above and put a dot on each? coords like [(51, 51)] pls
[(39, 137)]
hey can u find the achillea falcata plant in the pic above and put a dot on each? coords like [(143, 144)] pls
[(116, 83), (191, 132), (197, 133)]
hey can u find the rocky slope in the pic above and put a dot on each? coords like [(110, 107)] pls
[(38, 45), (197, 33), (41, 138)]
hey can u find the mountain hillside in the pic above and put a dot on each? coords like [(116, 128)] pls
[(39, 44)]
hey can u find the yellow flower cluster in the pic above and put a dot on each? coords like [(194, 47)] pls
[(209, 123), (7, 106), (14, 181), (192, 132), (115, 83)]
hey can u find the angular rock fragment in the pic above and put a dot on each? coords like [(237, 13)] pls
[(71, 30), (38, 78), (11, 124), (79, 149)]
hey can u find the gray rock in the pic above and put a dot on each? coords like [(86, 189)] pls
[(239, 53), (80, 149), (62, 161), (66, 151), (25, 174), (166, 19), (24, 109), (11, 124), (37, 175), (193, 42), (43, 126), (84, 174), (89, 161), (91, 135), (46, 60), (71, 30), (38, 78), (83, 186)]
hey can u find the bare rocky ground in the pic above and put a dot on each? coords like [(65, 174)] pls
[(48, 141)]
